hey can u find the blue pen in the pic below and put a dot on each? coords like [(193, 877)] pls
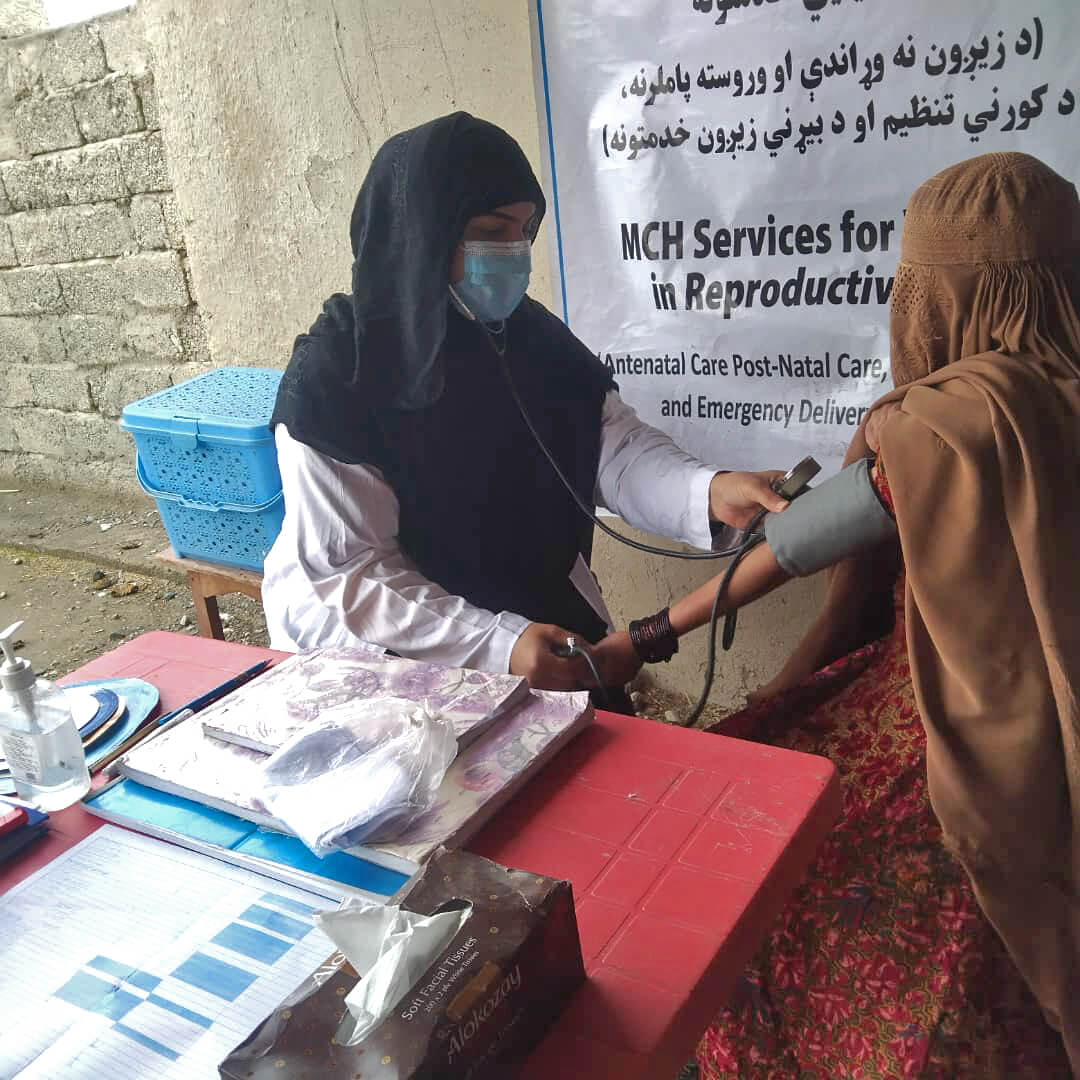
[(177, 715), (211, 696)]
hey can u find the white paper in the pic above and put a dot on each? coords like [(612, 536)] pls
[(581, 577), (84, 706), (129, 957)]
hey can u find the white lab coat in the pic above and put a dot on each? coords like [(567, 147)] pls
[(336, 575)]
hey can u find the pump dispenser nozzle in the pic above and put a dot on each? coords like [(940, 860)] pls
[(16, 673)]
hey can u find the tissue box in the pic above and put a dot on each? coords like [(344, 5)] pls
[(480, 1007)]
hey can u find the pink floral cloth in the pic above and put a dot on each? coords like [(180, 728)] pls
[(882, 964)]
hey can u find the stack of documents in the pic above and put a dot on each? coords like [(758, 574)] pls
[(274, 707), (506, 733)]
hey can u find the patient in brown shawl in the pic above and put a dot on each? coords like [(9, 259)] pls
[(939, 932)]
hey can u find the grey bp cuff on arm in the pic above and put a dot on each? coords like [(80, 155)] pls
[(830, 522)]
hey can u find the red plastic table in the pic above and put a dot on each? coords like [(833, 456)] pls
[(682, 848)]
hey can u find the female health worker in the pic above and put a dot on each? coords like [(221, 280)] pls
[(420, 515)]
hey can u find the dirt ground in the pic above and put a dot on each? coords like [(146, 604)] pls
[(70, 615), (78, 569)]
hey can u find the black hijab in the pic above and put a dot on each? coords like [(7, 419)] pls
[(380, 347)]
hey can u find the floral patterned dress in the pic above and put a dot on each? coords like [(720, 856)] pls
[(882, 964)]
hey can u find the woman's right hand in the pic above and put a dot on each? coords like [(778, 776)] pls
[(534, 657)]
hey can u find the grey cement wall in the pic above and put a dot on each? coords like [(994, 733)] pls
[(271, 111), (96, 308), (19, 17)]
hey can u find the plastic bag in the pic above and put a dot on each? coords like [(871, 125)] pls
[(361, 773)]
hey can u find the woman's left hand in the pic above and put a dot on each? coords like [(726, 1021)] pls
[(616, 659), (876, 421), (735, 497)]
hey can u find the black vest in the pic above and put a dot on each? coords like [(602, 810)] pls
[(482, 513)]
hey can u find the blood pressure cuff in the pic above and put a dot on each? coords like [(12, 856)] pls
[(829, 522)]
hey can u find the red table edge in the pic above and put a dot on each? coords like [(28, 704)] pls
[(790, 870), (707, 999)]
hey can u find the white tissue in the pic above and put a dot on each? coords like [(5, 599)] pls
[(390, 949)]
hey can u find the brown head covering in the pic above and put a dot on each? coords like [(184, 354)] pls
[(988, 263), (983, 460)]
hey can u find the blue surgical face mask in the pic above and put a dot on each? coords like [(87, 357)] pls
[(496, 277)]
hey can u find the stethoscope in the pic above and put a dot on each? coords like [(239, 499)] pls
[(790, 486)]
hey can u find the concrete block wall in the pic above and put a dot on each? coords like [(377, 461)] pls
[(96, 304)]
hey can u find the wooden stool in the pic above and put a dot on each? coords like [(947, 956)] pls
[(207, 582)]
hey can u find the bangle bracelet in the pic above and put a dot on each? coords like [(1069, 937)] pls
[(653, 638)]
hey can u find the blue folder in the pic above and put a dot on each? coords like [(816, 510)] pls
[(145, 809)]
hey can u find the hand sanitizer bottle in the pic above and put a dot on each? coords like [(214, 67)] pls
[(38, 735)]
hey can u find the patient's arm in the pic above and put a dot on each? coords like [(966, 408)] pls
[(845, 515), (859, 587), (757, 574)]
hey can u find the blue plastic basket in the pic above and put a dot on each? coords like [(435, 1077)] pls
[(205, 452)]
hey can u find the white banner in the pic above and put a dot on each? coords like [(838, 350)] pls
[(728, 180)]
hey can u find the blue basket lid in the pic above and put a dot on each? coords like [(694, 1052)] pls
[(229, 403)]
